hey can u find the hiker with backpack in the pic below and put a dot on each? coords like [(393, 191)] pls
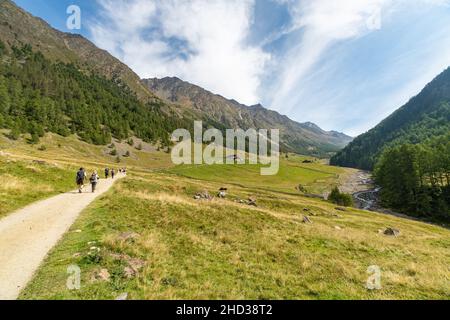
[(81, 177), (94, 180), (106, 173)]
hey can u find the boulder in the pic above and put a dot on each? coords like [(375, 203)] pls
[(392, 232), (306, 220), (102, 275)]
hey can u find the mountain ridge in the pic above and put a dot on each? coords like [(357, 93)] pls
[(307, 138), (424, 116), (18, 28)]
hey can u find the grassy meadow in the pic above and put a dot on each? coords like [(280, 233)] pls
[(153, 240), (223, 249)]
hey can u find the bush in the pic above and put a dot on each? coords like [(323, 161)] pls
[(139, 147), (42, 148), (342, 199), (113, 152)]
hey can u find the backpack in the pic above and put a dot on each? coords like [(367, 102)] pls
[(80, 175), (93, 178)]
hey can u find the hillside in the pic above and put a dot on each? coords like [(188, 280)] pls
[(304, 138), (425, 116), (221, 248), (18, 27)]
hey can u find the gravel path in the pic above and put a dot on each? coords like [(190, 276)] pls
[(27, 235)]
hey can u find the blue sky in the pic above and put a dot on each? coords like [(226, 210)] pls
[(344, 65)]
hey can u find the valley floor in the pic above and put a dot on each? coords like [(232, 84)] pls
[(148, 237)]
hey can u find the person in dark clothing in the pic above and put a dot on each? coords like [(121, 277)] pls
[(113, 173), (106, 173), (81, 177)]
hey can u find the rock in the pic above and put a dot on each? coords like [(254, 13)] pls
[(77, 231), (306, 210), (392, 232), (337, 228), (252, 201), (136, 264), (128, 236), (102, 275), (340, 209), (94, 249), (203, 195), (222, 194), (306, 220), (40, 162), (129, 272), (223, 189), (123, 296)]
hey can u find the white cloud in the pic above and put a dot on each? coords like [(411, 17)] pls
[(211, 35), (324, 22)]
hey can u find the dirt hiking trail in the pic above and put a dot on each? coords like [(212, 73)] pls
[(27, 235)]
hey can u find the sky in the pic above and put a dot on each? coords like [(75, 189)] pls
[(344, 65)]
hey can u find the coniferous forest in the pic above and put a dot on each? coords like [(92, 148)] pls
[(38, 96), (415, 179)]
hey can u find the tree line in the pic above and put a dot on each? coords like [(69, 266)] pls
[(415, 178), (38, 96)]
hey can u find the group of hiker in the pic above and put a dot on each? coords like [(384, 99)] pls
[(94, 178)]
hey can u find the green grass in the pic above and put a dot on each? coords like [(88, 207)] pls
[(24, 182), (317, 178), (221, 249)]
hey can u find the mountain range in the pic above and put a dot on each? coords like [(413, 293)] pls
[(175, 97), (305, 138)]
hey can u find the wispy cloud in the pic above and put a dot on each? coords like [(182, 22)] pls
[(200, 41), (302, 67)]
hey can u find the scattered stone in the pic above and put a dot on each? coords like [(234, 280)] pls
[(203, 195), (123, 296), (94, 249), (252, 202), (128, 236), (340, 209), (134, 264), (40, 162), (129, 272), (337, 228), (222, 194), (392, 232), (306, 220), (102, 275), (90, 243), (77, 231), (306, 210)]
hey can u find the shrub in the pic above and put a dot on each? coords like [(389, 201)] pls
[(342, 199)]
